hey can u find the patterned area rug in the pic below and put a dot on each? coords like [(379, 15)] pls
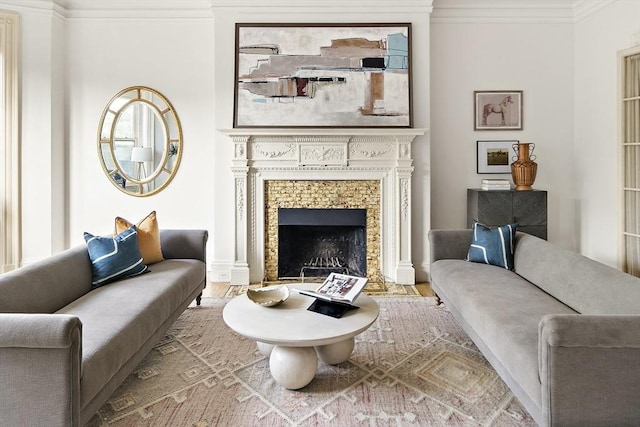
[(414, 366)]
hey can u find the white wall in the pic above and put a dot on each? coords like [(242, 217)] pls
[(172, 56), (183, 58), (534, 57), (598, 38), (568, 72), (190, 60)]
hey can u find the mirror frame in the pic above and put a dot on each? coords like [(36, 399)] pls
[(169, 119)]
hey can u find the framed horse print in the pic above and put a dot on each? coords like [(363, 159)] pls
[(497, 109)]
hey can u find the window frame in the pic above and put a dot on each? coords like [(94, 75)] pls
[(10, 201), (623, 262)]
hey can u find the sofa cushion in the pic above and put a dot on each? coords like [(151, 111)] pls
[(118, 319), (46, 285), (148, 236), (114, 258), (585, 285), (492, 245), (503, 309)]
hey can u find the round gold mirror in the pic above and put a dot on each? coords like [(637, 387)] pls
[(139, 141)]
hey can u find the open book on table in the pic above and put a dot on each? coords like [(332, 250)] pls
[(339, 288)]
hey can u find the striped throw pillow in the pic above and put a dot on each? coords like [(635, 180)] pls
[(114, 258), (493, 245)]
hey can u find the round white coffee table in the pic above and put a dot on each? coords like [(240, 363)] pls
[(294, 338)]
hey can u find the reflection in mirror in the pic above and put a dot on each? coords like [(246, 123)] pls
[(140, 141)]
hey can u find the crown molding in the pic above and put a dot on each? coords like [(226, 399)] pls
[(139, 9), (336, 7), (441, 11), (465, 12), (50, 7), (363, 5), (584, 8), (509, 11)]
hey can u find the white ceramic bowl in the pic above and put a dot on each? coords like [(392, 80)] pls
[(269, 296)]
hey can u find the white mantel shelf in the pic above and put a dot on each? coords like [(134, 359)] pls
[(263, 154)]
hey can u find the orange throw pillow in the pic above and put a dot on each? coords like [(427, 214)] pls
[(148, 237)]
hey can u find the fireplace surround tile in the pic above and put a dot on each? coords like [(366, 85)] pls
[(352, 194)]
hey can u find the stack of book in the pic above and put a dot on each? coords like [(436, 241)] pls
[(496, 184)]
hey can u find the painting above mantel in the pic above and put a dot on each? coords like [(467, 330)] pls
[(323, 75)]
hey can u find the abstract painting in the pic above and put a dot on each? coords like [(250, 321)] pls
[(322, 75)]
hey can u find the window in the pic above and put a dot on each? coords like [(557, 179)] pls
[(630, 138), (9, 144)]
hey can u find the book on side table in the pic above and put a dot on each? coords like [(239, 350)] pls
[(496, 184), (336, 294)]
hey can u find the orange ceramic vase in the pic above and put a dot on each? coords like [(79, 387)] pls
[(523, 169)]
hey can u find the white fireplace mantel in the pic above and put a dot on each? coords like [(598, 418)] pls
[(381, 154)]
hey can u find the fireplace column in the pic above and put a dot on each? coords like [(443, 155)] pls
[(240, 273), (405, 272)]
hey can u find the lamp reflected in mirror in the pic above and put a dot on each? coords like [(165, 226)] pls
[(141, 155), (139, 141)]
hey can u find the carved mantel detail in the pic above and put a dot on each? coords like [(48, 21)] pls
[(322, 154)]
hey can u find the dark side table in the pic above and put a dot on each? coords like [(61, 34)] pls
[(500, 207)]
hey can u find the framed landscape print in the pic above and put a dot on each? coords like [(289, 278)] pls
[(497, 110), (322, 75), (495, 156)]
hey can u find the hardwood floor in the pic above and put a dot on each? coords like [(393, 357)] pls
[(219, 289)]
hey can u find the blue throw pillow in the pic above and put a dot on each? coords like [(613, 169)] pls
[(493, 245), (114, 258)]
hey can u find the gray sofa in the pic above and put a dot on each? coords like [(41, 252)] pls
[(65, 348), (562, 330)]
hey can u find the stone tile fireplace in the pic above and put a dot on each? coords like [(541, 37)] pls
[(320, 195), (366, 169)]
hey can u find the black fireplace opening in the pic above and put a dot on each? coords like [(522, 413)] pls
[(317, 242)]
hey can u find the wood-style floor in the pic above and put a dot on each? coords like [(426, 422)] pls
[(219, 289)]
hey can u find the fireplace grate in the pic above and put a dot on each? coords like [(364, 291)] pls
[(322, 266)]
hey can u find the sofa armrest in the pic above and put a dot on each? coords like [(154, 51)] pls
[(189, 244), (590, 369), (40, 362), (449, 244)]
